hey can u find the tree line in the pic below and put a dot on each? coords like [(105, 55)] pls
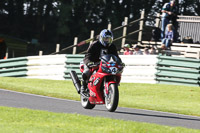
[(59, 21)]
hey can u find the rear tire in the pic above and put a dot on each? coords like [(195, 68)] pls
[(86, 103), (113, 98)]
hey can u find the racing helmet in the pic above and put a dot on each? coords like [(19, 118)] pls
[(106, 37)]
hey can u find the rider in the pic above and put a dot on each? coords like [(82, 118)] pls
[(98, 48)]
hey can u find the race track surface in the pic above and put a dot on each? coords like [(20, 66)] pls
[(24, 100)]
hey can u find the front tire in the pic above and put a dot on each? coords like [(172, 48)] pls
[(113, 98), (86, 103)]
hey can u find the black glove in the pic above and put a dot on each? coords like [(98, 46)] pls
[(90, 64), (123, 64)]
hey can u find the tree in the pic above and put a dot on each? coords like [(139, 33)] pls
[(59, 21)]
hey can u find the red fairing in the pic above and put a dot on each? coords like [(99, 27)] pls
[(96, 94), (82, 68)]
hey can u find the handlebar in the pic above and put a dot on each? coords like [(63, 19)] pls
[(94, 65)]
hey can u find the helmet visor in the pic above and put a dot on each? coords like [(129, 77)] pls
[(107, 40)]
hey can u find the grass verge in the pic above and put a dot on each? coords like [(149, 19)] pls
[(167, 98), (26, 120)]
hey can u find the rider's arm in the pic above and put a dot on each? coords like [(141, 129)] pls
[(89, 56)]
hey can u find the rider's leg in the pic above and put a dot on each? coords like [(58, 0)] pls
[(85, 76)]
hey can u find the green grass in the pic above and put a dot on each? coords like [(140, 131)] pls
[(52, 88), (167, 98), (13, 120)]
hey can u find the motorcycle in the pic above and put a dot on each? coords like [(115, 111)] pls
[(102, 84)]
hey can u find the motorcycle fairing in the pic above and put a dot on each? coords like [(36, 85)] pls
[(96, 94)]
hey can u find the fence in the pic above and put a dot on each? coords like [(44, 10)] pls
[(73, 63), (186, 50), (43, 67), (189, 26), (123, 37), (177, 49), (178, 70), (15, 67), (139, 68)]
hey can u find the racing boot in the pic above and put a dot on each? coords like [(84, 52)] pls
[(84, 91)]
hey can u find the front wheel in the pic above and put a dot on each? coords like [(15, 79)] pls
[(86, 103), (112, 98)]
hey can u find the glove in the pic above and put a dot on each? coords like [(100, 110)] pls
[(123, 64), (90, 64)]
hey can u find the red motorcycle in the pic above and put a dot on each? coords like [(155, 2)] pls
[(103, 83)]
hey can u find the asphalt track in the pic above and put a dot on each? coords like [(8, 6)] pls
[(24, 100)]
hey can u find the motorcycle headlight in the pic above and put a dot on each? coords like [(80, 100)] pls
[(105, 69), (112, 64)]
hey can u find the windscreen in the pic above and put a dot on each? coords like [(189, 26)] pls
[(110, 58)]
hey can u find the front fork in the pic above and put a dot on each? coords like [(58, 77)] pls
[(106, 86)]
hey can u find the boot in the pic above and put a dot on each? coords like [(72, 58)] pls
[(84, 89)]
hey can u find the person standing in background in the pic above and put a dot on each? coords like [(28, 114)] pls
[(169, 13)]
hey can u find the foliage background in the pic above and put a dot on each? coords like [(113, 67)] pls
[(59, 21)]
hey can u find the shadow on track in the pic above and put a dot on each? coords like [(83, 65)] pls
[(155, 116), (160, 116)]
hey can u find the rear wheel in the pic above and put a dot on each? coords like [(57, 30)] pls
[(112, 98), (86, 103)]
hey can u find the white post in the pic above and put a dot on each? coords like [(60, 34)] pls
[(40, 53), (198, 54), (124, 31), (158, 20), (109, 26), (141, 27), (75, 43), (91, 36), (57, 47), (7, 53)]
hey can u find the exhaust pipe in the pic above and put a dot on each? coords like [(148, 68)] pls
[(76, 81)]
